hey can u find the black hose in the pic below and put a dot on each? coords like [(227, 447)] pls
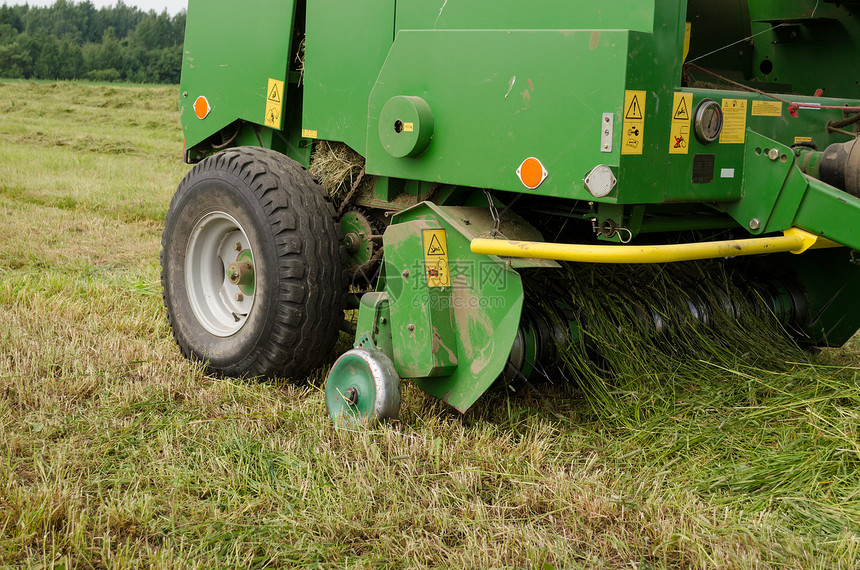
[(844, 122), (840, 131), (230, 140), (805, 144)]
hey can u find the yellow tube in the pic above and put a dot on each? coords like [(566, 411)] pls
[(795, 240)]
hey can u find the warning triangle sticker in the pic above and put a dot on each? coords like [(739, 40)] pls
[(634, 112), (681, 113), (435, 248), (275, 95)]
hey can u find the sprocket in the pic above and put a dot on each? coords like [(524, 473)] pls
[(361, 238)]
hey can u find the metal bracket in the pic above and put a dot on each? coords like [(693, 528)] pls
[(365, 341), (607, 130)]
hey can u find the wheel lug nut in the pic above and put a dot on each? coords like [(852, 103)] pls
[(238, 246), (240, 297)]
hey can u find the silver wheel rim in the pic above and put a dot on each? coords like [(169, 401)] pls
[(217, 241)]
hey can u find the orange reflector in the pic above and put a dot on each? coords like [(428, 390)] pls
[(201, 107), (531, 173)]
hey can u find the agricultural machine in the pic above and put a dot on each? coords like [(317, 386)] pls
[(494, 141)]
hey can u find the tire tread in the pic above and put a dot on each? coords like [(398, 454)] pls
[(312, 284)]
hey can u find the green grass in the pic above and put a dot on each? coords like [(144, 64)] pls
[(116, 452)]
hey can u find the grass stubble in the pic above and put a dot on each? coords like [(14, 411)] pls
[(116, 452)]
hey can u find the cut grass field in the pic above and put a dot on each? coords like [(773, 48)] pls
[(116, 452)]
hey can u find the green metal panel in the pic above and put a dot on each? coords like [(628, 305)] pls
[(654, 66), (374, 320), (830, 280), (773, 188), (807, 45), (540, 93), (785, 44), (345, 45), (831, 213), (424, 342), (729, 159), (777, 195), (476, 317), (534, 15), (232, 49), (517, 94)]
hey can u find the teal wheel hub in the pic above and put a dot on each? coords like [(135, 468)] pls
[(363, 388)]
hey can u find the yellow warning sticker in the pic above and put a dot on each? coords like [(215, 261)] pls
[(633, 135), (408, 127), (679, 140), (798, 140), (274, 103), (766, 109), (436, 258), (734, 121), (309, 134)]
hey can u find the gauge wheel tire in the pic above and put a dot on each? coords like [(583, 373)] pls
[(362, 389), (282, 314)]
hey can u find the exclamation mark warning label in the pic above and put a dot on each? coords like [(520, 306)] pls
[(633, 135)]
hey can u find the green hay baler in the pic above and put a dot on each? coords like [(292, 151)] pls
[(495, 141)]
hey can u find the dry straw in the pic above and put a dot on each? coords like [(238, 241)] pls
[(336, 167)]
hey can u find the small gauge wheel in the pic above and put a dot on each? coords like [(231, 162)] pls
[(362, 389), (709, 121)]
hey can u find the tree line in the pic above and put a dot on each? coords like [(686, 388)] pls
[(77, 41)]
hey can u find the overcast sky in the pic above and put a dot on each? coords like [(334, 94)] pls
[(172, 6)]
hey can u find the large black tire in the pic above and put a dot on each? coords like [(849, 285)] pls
[(290, 321)]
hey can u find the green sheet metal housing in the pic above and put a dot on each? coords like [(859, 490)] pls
[(502, 84), (235, 81)]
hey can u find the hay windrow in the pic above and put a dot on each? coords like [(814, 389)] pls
[(336, 167)]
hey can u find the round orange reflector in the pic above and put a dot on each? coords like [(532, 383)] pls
[(201, 107), (531, 173)]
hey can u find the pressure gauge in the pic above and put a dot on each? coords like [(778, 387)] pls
[(709, 121)]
